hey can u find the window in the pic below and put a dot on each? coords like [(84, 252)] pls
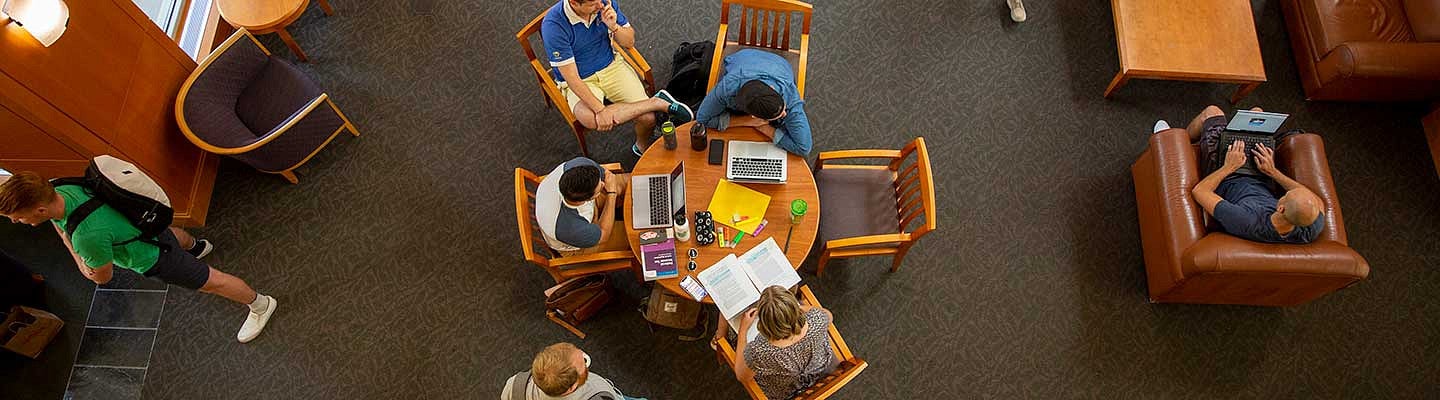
[(183, 20)]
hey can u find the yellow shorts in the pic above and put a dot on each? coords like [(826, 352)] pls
[(618, 83)]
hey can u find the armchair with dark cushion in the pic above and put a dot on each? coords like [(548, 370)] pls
[(1186, 262), (1366, 50), (258, 109)]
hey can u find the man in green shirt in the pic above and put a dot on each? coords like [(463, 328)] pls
[(96, 246)]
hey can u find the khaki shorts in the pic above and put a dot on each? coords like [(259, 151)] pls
[(618, 83)]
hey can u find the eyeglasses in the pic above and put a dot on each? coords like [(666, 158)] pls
[(693, 253)]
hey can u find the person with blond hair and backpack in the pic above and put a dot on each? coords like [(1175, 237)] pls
[(91, 216)]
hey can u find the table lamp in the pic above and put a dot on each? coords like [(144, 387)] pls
[(44, 19)]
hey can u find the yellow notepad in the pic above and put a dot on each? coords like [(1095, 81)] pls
[(731, 199)]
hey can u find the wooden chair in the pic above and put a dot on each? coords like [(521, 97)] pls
[(764, 24), (244, 103), (551, 89), (869, 208), (537, 252), (850, 366)]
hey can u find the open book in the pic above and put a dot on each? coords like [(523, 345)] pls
[(735, 282)]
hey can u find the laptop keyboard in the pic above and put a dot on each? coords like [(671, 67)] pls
[(757, 168), (659, 200), (1251, 140)]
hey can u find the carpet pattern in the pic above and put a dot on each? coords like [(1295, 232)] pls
[(396, 263)]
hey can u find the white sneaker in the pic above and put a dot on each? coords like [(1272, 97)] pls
[(1017, 10), (255, 322), (1160, 125)]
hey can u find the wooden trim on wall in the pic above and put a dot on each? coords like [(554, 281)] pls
[(1432, 134), (157, 34)]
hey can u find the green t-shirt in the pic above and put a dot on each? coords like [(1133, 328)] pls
[(94, 240)]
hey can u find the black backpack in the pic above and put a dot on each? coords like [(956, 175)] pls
[(690, 72), (125, 188)]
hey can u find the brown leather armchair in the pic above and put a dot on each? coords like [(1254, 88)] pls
[(1368, 50), (1186, 262)]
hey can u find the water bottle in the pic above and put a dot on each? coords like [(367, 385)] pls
[(682, 229), (667, 131)]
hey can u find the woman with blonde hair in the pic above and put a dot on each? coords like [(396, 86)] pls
[(793, 349)]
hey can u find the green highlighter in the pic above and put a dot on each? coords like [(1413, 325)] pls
[(736, 241)]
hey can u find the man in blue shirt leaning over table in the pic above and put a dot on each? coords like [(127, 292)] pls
[(759, 87), (577, 36)]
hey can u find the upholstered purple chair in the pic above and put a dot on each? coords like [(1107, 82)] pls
[(244, 103)]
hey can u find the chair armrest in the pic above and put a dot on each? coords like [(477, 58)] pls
[(804, 60), (1303, 157), (589, 258), (1224, 253), (1399, 60), (871, 240), (613, 167), (844, 154), (726, 353), (1170, 219), (287, 125), (552, 90), (719, 55)]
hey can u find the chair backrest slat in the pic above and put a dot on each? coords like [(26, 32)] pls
[(785, 35), (744, 23), (529, 229)]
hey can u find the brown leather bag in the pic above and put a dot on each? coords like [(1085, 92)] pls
[(576, 300)]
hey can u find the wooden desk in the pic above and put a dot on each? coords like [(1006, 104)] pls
[(266, 16), (1209, 41), (700, 181)]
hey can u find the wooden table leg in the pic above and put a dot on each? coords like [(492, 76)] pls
[(325, 6), (1115, 84), (294, 48), (1245, 90)]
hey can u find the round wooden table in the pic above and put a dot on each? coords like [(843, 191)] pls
[(266, 16), (700, 181)]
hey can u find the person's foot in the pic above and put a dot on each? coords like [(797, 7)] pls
[(1160, 125), (679, 112), (1017, 10), (256, 320), (201, 248)]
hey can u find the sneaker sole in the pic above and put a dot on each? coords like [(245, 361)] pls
[(209, 247), (670, 98), (264, 320)]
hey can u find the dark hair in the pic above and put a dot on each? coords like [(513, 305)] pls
[(759, 100), (578, 184)]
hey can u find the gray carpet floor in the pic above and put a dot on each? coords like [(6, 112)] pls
[(399, 274)]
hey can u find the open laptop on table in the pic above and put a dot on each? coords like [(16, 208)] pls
[(1254, 127), (657, 198), (755, 162)]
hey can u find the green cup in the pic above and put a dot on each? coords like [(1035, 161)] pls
[(798, 208)]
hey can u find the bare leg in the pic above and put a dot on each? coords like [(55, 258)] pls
[(1195, 124), (186, 241), (624, 112), (228, 286), (644, 126)]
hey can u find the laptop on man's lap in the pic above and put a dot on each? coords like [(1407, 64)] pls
[(1253, 127)]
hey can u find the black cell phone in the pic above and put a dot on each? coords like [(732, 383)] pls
[(717, 151)]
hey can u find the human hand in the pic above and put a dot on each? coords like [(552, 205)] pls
[(1235, 156), (608, 16), (605, 119), (612, 183), (1265, 160), (747, 319)]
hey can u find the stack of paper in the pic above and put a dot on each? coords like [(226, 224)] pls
[(735, 282), (731, 199)]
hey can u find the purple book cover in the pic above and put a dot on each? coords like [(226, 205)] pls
[(659, 260)]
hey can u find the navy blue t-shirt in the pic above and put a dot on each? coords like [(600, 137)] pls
[(1246, 209)]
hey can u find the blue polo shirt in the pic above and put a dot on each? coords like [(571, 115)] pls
[(570, 39)]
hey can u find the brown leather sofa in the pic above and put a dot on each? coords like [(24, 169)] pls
[(1186, 262), (1366, 50)]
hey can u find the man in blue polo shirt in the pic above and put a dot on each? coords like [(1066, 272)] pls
[(760, 87), (577, 36)]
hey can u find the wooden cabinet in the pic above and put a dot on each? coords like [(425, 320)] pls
[(107, 86)]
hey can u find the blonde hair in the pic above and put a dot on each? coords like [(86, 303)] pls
[(779, 314), (24, 191), (554, 369)]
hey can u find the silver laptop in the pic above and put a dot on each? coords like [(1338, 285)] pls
[(1256, 122), (755, 162), (656, 198)]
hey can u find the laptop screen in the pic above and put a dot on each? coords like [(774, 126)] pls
[(1256, 121), (677, 189)]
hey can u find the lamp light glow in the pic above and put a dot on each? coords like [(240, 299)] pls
[(43, 19)]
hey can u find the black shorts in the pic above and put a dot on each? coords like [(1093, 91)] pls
[(1210, 143), (177, 266)]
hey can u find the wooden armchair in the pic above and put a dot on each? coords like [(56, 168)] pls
[(244, 103), (537, 252), (850, 366), (869, 208), (551, 89), (764, 24)]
